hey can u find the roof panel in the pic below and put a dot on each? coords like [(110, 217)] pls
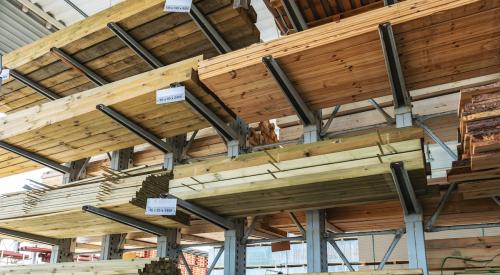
[(20, 29)]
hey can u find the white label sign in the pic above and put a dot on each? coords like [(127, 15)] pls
[(5, 74), (171, 95), (161, 207), (178, 5)]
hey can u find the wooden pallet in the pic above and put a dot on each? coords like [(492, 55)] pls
[(72, 128), (317, 13), (342, 62), (171, 37)]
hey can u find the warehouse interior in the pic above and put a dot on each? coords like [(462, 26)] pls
[(235, 137)]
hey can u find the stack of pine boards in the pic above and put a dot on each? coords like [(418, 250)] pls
[(339, 172), (316, 13), (57, 212), (343, 62), (171, 37), (331, 173), (479, 133), (71, 128), (111, 267)]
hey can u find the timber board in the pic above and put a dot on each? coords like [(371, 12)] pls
[(71, 128), (342, 62), (171, 37)]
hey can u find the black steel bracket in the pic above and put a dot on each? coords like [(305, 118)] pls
[(202, 213), (99, 81), (126, 220), (305, 114), (35, 157), (134, 128), (406, 194), (208, 29)]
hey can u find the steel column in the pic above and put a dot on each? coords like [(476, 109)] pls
[(69, 60), (126, 220), (177, 155), (169, 244), (234, 250), (135, 128), (341, 254), (237, 146), (416, 242), (413, 217), (77, 169), (135, 46), (111, 246), (63, 252), (317, 260), (210, 32), (402, 99), (35, 86), (120, 160), (294, 14), (35, 157)]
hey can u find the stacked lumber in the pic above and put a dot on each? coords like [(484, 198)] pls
[(263, 134), (57, 212), (316, 13), (170, 37), (480, 126), (115, 267), (473, 248), (71, 128), (478, 167), (343, 62), (344, 171), (332, 173)]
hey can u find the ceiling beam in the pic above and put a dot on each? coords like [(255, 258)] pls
[(41, 13)]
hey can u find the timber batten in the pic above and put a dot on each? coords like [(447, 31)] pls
[(171, 37), (72, 128), (337, 167), (431, 53)]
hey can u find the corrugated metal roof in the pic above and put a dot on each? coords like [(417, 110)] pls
[(17, 28), (62, 11)]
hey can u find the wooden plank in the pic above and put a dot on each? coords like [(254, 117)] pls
[(171, 37), (428, 54), (71, 128)]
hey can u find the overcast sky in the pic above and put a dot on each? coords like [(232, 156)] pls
[(16, 182)]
